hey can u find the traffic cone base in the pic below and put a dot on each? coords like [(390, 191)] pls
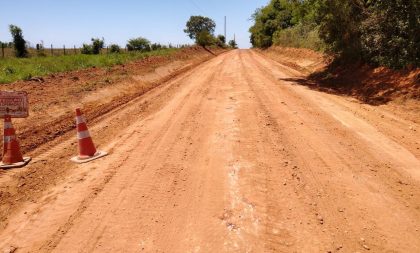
[(85, 159), (87, 150), (25, 162)]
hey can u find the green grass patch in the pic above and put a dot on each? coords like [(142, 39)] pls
[(14, 69)]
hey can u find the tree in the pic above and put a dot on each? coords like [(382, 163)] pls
[(204, 38), (97, 45), (390, 34), (220, 41), (198, 24), (221, 38), (139, 44), (19, 42), (339, 27), (232, 44), (275, 16)]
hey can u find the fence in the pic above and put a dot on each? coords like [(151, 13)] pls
[(8, 52)]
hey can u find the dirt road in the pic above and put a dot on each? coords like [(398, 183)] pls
[(234, 156)]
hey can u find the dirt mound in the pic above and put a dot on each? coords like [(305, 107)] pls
[(369, 84), (302, 59), (366, 83)]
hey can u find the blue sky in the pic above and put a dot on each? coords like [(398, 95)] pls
[(75, 22)]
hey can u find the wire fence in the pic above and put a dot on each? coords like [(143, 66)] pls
[(9, 52)]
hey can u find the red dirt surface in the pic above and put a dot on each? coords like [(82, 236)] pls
[(369, 84), (97, 91), (231, 155)]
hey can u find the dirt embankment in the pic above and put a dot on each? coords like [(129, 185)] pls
[(369, 84), (99, 92)]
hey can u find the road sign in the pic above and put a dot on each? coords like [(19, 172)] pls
[(14, 103)]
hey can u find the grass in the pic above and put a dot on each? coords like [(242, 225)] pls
[(14, 69)]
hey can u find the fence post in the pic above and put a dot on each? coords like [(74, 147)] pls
[(2, 50), (52, 53), (64, 49), (74, 49)]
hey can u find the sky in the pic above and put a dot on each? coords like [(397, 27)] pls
[(72, 23)]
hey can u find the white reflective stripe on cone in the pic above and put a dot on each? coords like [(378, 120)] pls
[(80, 119), (83, 135), (8, 139), (8, 125)]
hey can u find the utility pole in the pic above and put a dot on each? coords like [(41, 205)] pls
[(225, 28)]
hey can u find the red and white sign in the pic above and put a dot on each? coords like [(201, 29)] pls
[(14, 103)]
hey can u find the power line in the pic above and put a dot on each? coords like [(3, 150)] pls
[(197, 7)]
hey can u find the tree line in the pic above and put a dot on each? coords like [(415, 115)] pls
[(20, 45), (199, 28), (378, 32)]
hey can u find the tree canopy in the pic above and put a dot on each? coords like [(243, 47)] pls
[(204, 38), (19, 42), (198, 24), (375, 31), (139, 44)]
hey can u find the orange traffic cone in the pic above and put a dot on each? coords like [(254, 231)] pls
[(87, 150), (12, 157)]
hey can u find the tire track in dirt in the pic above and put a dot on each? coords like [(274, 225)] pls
[(348, 144), (157, 177), (228, 158), (133, 105), (25, 185)]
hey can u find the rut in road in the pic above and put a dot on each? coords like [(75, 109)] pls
[(239, 159)]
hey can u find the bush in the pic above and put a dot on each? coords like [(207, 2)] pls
[(221, 41), (139, 44), (40, 50), (204, 38), (86, 49), (300, 36), (94, 48), (114, 48), (232, 44), (18, 42), (156, 46)]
